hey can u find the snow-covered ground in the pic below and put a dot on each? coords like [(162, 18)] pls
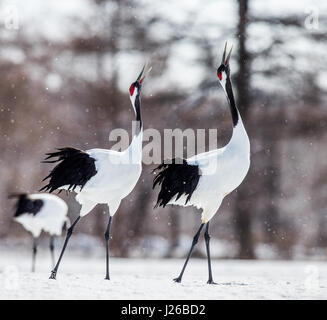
[(82, 278)]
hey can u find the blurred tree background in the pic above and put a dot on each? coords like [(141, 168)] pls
[(65, 76)]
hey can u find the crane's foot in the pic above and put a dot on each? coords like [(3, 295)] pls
[(53, 275), (210, 281), (107, 278), (178, 280)]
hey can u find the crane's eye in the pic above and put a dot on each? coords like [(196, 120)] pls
[(131, 89)]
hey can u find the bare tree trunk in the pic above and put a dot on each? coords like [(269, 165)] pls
[(174, 231), (137, 218), (243, 205), (321, 240), (271, 189)]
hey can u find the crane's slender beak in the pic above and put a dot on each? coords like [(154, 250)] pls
[(228, 57), (143, 74), (224, 54), (225, 60)]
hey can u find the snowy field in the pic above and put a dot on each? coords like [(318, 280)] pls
[(82, 278)]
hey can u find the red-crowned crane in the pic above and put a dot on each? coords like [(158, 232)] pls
[(205, 179), (99, 175), (41, 212)]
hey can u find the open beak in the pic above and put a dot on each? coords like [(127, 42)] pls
[(143, 74), (225, 60)]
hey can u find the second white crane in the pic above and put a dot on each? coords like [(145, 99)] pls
[(204, 180)]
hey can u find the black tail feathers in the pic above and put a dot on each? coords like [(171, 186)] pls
[(176, 179)]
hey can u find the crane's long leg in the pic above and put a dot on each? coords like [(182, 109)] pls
[(52, 250), (207, 240), (107, 237), (69, 233), (194, 242), (34, 254)]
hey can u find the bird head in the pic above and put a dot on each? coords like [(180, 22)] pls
[(135, 88), (223, 71)]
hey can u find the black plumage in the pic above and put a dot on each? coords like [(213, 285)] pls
[(178, 178), (26, 205), (75, 168)]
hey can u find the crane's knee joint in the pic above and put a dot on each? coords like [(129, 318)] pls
[(34, 250), (195, 240), (207, 236), (70, 231), (106, 236)]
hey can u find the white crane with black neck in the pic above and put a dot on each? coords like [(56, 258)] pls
[(204, 180), (99, 175)]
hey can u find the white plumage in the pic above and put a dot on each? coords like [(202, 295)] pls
[(41, 212), (50, 219), (116, 177), (221, 172)]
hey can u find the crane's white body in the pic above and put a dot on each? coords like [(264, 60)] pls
[(117, 175), (222, 171), (50, 218)]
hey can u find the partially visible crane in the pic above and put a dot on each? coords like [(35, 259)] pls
[(41, 212)]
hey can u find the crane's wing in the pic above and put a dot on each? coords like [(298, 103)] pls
[(176, 179), (202, 158), (74, 169), (27, 205), (209, 162)]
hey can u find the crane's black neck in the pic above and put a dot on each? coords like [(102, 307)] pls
[(231, 100), (137, 106)]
